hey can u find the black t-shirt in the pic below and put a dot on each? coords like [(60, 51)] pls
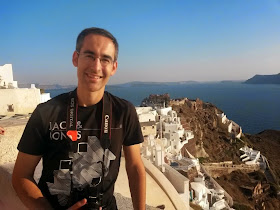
[(45, 135)]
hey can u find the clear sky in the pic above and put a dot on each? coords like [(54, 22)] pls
[(160, 40)]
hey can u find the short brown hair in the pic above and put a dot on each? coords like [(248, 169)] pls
[(98, 31)]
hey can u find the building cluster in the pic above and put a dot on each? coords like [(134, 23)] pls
[(233, 128), (163, 132), (203, 194), (17, 100), (250, 156), (164, 139)]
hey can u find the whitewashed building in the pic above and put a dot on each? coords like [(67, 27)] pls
[(250, 156), (165, 136), (200, 193), (232, 127), (16, 100), (6, 77)]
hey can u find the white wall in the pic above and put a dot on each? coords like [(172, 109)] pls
[(166, 185), (141, 110), (221, 115), (189, 134), (230, 127), (164, 111), (170, 127), (180, 182), (45, 97), (146, 117), (23, 100), (6, 74), (224, 119)]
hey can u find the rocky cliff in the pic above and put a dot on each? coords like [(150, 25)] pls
[(214, 144), (212, 140)]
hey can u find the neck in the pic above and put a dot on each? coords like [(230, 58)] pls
[(87, 98)]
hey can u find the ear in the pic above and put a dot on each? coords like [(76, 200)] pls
[(75, 58), (115, 66)]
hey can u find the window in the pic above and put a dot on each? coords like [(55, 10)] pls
[(11, 108)]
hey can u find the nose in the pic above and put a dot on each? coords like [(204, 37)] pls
[(96, 64)]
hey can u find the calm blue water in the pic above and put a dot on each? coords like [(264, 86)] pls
[(254, 107)]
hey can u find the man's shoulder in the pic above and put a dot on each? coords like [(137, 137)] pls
[(59, 101), (119, 102)]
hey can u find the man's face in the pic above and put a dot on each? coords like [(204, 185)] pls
[(95, 63)]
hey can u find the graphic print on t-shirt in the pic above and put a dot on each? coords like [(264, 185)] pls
[(86, 165), (58, 130)]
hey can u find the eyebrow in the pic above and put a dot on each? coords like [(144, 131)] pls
[(93, 53)]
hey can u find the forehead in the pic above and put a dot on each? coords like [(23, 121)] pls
[(98, 43)]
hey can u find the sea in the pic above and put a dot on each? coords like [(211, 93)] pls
[(254, 107)]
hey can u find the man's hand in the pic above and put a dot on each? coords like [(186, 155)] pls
[(79, 204)]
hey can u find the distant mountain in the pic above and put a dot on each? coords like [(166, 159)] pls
[(47, 87), (56, 86), (232, 81), (139, 83), (264, 79)]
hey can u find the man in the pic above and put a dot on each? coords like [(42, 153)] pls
[(79, 135)]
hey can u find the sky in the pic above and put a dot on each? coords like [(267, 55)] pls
[(160, 40)]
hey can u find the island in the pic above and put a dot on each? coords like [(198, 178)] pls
[(264, 79)]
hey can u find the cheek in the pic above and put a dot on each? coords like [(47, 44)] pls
[(79, 73), (110, 72)]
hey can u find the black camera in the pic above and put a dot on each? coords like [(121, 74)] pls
[(92, 194)]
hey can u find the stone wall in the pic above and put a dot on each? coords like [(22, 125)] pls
[(178, 102), (220, 169)]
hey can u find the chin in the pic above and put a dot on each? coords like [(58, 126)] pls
[(95, 88), (92, 86)]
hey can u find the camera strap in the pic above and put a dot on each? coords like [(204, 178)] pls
[(72, 117), (105, 133)]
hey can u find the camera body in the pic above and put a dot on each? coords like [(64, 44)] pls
[(92, 194)]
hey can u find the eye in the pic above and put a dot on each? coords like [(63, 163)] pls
[(105, 60), (89, 56)]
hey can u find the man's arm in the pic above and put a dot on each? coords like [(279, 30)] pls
[(136, 176), (26, 187), (24, 183)]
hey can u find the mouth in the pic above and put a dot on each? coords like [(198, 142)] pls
[(93, 76)]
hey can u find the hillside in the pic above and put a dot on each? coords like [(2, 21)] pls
[(264, 79), (214, 144), (268, 142)]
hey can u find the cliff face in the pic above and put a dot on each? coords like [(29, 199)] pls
[(214, 144), (212, 140), (268, 142), (250, 191), (264, 79)]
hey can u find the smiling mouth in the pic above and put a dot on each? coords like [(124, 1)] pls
[(94, 76)]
